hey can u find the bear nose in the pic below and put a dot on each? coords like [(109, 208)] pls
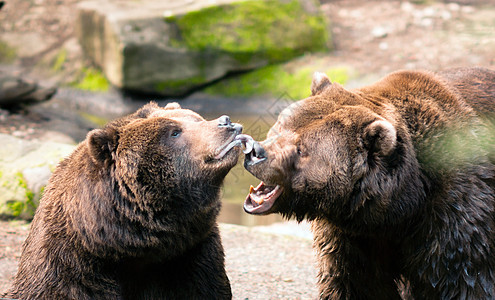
[(256, 155), (258, 150), (224, 121)]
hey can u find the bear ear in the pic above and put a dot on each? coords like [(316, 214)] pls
[(320, 83), (380, 137), (172, 105), (101, 143), (146, 110)]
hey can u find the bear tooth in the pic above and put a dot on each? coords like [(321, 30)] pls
[(259, 200)]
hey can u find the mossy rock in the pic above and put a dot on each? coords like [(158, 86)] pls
[(270, 29), (291, 81), (91, 79), (25, 167), (173, 47)]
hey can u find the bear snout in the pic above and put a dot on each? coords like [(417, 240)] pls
[(225, 122), (256, 155)]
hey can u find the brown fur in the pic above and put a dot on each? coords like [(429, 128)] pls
[(131, 214), (398, 179)]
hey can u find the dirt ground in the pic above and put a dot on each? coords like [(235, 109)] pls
[(260, 265), (371, 37), (12, 235)]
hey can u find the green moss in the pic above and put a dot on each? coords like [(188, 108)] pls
[(7, 53), (171, 19), (59, 60), (339, 74), (99, 121), (455, 147), (26, 207), (275, 80), (173, 85), (92, 80), (271, 29), (22, 183), (15, 207)]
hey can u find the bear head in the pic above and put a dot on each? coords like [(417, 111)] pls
[(159, 144), (156, 174), (335, 155)]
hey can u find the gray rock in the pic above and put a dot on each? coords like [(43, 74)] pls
[(25, 167), (36, 179), (15, 91), (171, 47)]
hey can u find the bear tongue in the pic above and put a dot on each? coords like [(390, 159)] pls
[(247, 142), (243, 140), (234, 143)]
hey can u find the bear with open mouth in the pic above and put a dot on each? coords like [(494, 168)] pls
[(398, 179), (131, 213)]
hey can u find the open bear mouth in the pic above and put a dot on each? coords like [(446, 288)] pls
[(239, 140), (261, 198)]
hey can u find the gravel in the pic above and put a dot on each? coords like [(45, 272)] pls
[(263, 262)]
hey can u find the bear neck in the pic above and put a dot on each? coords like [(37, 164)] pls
[(140, 224)]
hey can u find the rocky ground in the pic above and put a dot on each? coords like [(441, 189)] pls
[(370, 37), (261, 264)]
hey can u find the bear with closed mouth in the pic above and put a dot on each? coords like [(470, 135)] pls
[(131, 213), (397, 178)]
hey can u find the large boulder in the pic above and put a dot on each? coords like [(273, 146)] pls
[(171, 47), (25, 167)]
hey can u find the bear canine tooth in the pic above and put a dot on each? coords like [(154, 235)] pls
[(251, 189)]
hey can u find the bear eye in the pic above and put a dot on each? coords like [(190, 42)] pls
[(300, 152), (175, 133)]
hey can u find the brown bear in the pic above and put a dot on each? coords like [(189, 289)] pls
[(131, 213), (398, 179)]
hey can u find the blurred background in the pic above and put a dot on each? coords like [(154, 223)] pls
[(69, 66)]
